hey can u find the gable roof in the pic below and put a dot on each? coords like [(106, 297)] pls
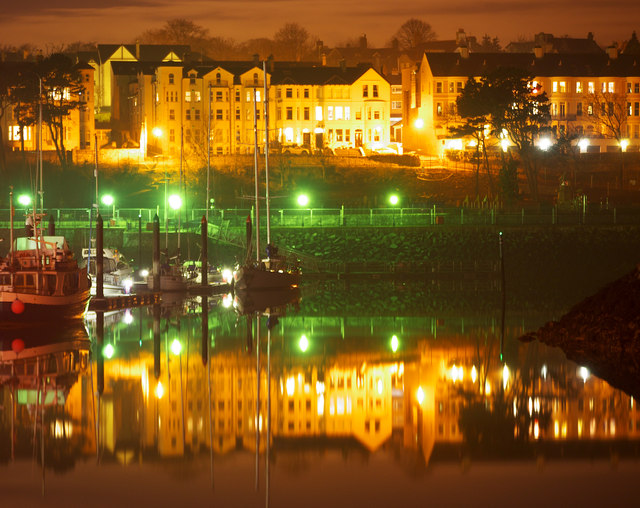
[(148, 52), (549, 65)]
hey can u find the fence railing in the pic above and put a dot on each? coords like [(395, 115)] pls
[(223, 221)]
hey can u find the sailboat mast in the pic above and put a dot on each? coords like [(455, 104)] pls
[(41, 191), (206, 205), (255, 176), (180, 185), (266, 151)]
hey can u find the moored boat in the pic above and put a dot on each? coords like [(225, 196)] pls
[(40, 281), (117, 275)]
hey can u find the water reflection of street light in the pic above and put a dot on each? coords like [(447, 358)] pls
[(303, 344)]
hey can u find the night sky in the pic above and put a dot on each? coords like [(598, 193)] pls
[(334, 21)]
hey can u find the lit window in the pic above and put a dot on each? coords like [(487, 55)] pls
[(330, 113), (187, 96), (347, 113), (338, 112), (319, 113), (611, 87), (578, 86), (554, 86), (563, 86), (591, 87)]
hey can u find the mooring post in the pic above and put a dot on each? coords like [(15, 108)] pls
[(156, 253), (204, 238), (99, 258)]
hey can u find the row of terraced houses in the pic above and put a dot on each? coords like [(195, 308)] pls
[(163, 100)]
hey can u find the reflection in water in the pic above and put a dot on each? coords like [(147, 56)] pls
[(184, 380)]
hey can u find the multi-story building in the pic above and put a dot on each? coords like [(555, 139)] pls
[(570, 81), (78, 132), (309, 106)]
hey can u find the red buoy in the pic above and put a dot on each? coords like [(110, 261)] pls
[(17, 307), (17, 346)]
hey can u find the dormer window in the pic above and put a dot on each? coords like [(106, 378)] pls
[(218, 78)]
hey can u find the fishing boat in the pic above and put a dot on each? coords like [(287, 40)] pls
[(117, 275), (40, 279), (274, 271)]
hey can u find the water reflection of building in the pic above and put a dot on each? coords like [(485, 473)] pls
[(416, 396)]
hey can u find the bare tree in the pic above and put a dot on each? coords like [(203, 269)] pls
[(179, 31), (292, 42), (607, 112), (61, 92), (414, 32)]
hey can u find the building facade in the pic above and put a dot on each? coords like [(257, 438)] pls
[(310, 108), (571, 81)]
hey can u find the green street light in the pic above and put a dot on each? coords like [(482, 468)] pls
[(394, 199), (394, 343), (175, 201), (176, 347), (24, 199), (107, 200), (303, 344), (303, 200)]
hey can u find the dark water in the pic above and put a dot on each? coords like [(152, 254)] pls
[(379, 394)]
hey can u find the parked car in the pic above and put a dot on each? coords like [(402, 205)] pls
[(296, 150)]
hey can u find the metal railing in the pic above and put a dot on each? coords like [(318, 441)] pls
[(223, 222)]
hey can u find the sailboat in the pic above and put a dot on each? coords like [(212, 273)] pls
[(272, 272), (40, 279)]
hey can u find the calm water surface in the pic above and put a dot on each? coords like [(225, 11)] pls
[(362, 394)]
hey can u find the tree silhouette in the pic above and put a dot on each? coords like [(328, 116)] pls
[(414, 32)]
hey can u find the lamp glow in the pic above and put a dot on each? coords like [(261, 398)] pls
[(159, 390), (24, 200), (107, 200), (394, 199), (303, 200), (157, 132), (175, 201), (394, 343), (420, 395), (624, 143), (303, 344), (176, 347)]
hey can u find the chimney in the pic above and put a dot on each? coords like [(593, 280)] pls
[(343, 65), (363, 41), (256, 58), (461, 37), (538, 51), (612, 52), (138, 50), (271, 64), (324, 59)]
